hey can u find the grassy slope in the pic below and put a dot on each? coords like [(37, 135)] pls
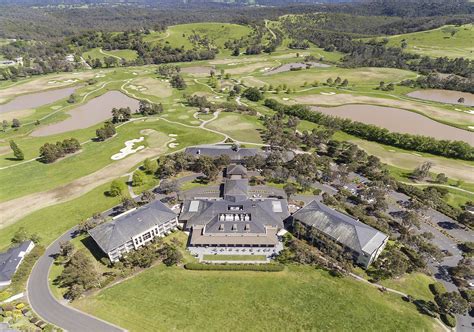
[(219, 33), (295, 299), (49, 223), (439, 42)]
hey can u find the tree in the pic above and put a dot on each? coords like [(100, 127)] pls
[(66, 248), (391, 264), (79, 274), (117, 188), (290, 190), (451, 303), (138, 178), (147, 196), (72, 99), (4, 125), (441, 178), (127, 204), (21, 235), (169, 186), (16, 123), (461, 100), (16, 150), (466, 218), (170, 255), (146, 108), (422, 171), (178, 82), (121, 114), (253, 94), (150, 166), (107, 131)]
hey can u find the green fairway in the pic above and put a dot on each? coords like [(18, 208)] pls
[(163, 299), (245, 128), (449, 40)]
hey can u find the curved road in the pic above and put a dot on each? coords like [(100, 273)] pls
[(50, 309)]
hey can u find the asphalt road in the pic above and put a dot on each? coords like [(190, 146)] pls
[(50, 309)]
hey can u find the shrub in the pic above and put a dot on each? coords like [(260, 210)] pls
[(437, 288), (234, 267), (449, 320)]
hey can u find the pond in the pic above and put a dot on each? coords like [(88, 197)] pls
[(94, 111), (444, 96), (398, 120), (35, 100)]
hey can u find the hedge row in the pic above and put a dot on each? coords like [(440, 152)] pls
[(445, 148), (234, 267)]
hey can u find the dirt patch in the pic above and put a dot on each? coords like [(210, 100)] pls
[(248, 68), (18, 208), (197, 70), (346, 98), (16, 115)]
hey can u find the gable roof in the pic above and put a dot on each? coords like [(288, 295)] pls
[(113, 234), (11, 259), (235, 169), (341, 227)]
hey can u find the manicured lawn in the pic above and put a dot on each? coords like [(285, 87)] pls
[(234, 257), (414, 284), (299, 298), (244, 128)]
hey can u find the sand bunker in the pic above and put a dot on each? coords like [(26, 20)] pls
[(173, 145), (173, 135), (128, 149), (328, 93)]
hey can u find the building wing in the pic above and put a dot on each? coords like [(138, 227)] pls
[(111, 235), (341, 227)]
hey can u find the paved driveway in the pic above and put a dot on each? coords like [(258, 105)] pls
[(49, 309)]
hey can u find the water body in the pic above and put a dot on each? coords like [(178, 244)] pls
[(398, 120), (35, 100), (444, 96), (94, 111), (289, 66)]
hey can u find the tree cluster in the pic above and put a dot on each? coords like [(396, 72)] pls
[(51, 152)]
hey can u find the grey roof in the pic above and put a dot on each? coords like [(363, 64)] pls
[(341, 227), (235, 169), (113, 234), (216, 150), (236, 189), (263, 212), (11, 259)]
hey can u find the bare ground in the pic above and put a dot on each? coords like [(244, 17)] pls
[(18, 208)]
